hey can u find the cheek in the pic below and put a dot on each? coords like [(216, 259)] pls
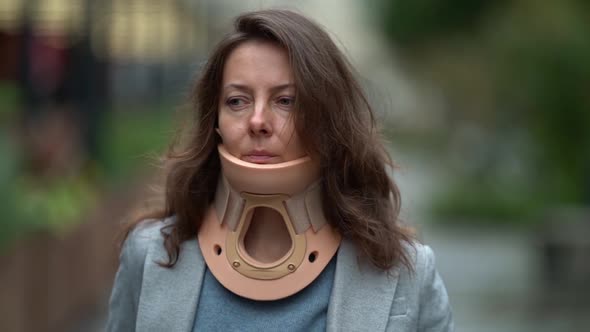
[(231, 132), (224, 129), (297, 146), (294, 145), (227, 126)]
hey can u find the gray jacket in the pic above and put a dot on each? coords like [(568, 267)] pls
[(147, 297)]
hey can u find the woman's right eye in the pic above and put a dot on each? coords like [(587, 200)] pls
[(235, 102)]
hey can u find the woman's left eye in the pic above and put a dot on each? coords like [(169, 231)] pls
[(286, 101)]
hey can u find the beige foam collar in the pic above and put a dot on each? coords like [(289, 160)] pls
[(298, 179), (287, 178)]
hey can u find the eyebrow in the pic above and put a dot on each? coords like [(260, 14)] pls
[(249, 89)]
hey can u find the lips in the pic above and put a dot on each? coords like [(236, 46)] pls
[(259, 157)]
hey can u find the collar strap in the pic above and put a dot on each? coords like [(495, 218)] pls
[(296, 179), (304, 209)]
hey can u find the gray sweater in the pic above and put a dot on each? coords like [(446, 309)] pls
[(147, 297), (306, 311)]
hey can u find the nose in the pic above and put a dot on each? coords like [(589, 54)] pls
[(260, 121)]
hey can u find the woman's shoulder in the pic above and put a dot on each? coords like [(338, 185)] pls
[(424, 288), (422, 265), (145, 233), (423, 277), (421, 256), (127, 288)]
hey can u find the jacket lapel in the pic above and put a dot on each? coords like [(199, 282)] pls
[(361, 295), (169, 297)]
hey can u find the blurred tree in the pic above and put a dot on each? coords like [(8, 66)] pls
[(507, 66), (411, 23)]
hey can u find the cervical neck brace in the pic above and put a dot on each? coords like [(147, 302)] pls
[(292, 189)]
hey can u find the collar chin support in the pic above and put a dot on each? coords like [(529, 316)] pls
[(291, 189)]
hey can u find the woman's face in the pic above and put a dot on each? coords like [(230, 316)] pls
[(256, 104)]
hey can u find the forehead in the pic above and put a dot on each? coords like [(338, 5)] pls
[(258, 63)]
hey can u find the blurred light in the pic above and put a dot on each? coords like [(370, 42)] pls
[(49, 17), (151, 31), (10, 14), (58, 16)]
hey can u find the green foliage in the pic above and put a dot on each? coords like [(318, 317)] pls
[(11, 222), (536, 56), (484, 203), (134, 138), (9, 100), (549, 82), (130, 139), (413, 22)]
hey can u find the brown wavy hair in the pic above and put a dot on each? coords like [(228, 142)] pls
[(333, 118)]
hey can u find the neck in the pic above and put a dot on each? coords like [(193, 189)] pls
[(267, 238)]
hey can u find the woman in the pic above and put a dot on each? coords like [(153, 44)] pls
[(279, 212)]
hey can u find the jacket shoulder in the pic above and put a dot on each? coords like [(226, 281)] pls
[(124, 300), (424, 290), (421, 256), (145, 233), (423, 266)]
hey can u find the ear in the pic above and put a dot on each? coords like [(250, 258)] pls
[(218, 132)]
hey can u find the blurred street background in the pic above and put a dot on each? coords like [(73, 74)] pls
[(485, 105)]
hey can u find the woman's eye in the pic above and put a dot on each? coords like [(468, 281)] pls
[(235, 102), (286, 101)]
